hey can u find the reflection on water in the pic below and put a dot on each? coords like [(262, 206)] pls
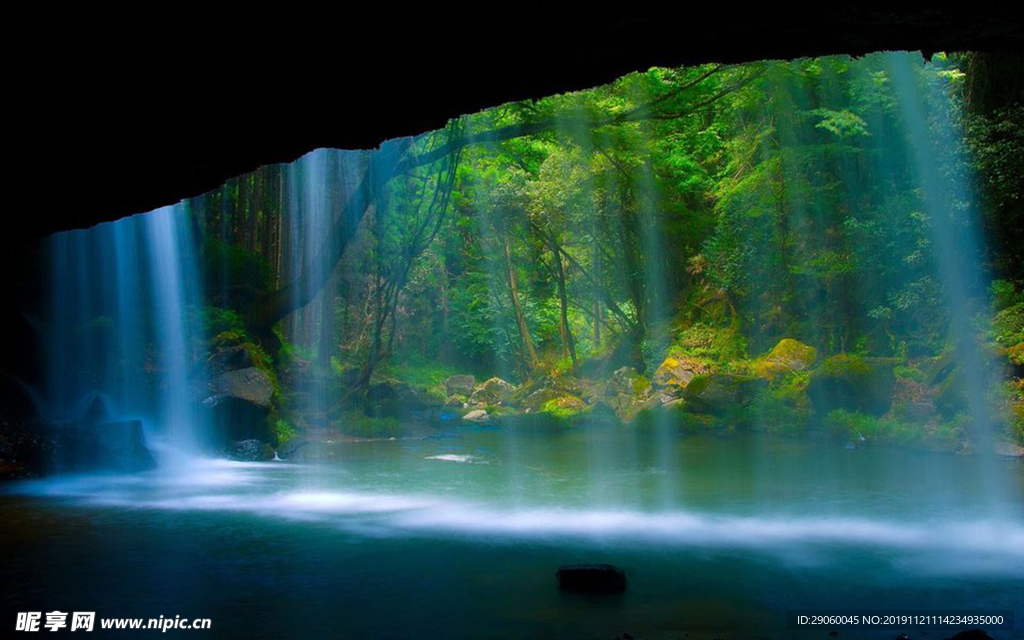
[(745, 510)]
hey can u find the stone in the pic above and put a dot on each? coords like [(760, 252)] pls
[(477, 415), (787, 356), (536, 400), (721, 393), (250, 385), (591, 578), (460, 385), (675, 373), (493, 391), (251, 450)]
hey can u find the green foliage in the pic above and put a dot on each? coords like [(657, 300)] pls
[(283, 431), (1008, 325), (218, 321), (1005, 293)]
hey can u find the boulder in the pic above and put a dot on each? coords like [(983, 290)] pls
[(460, 385), (239, 402), (564, 407), (251, 450), (675, 373), (854, 383), (456, 402), (721, 393), (493, 391), (591, 578), (536, 400), (249, 385), (787, 356), (477, 415), (230, 359)]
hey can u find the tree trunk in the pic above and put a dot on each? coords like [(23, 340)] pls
[(529, 352), (568, 345)]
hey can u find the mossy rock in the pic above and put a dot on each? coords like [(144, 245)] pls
[(538, 398), (854, 383), (721, 393), (676, 373), (564, 407), (494, 390), (788, 356)]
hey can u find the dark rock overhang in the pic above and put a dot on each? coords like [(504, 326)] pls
[(118, 113)]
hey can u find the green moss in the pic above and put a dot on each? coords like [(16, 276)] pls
[(716, 344), (564, 407), (787, 356), (641, 385)]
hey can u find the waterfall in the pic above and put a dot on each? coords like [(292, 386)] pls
[(125, 335)]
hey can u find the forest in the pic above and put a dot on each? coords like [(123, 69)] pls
[(817, 246)]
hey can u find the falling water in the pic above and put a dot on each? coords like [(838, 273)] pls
[(125, 326)]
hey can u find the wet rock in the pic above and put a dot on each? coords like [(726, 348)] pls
[(248, 385), (854, 383), (493, 391), (477, 415), (787, 356), (675, 374), (230, 359), (721, 393), (250, 451), (460, 385), (591, 578), (291, 448)]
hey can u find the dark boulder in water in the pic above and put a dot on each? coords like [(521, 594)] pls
[(971, 634), (591, 578), (250, 451)]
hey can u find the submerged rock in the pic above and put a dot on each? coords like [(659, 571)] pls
[(250, 451), (591, 578), (460, 385), (854, 383)]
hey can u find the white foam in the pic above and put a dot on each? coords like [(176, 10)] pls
[(454, 457)]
